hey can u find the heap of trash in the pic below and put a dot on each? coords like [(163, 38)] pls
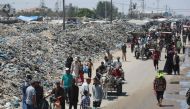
[(41, 50)]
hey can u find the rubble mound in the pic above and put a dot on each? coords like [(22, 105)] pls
[(41, 49)]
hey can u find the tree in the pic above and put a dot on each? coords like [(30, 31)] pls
[(42, 4), (71, 12), (56, 6), (103, 9), (86, 12)]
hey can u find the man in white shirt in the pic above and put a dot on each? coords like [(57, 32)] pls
[(97, 94), (117, 63), (85, 86)]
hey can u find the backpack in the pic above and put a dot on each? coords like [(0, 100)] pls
[(85, 69), (160, 84)]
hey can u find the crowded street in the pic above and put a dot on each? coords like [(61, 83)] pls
[(103, 54)]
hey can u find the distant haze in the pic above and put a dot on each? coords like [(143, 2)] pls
[(179, 6)]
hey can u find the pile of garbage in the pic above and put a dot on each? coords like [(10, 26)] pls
[(41, 49)]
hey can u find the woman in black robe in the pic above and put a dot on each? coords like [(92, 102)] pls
[(168, 68)]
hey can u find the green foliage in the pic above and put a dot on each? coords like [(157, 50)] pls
[(103, 9), (71, 12), (86, 12), (38, 12)]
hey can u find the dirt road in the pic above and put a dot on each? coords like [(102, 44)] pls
[(138, 92)]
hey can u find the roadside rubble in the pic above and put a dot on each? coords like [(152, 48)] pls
[(41, 49)]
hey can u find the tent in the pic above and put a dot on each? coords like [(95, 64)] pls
[(30, 18)]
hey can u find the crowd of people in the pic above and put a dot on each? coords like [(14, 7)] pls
[(66, 90), (174, 40)]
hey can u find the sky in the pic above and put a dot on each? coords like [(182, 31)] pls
[(179, 6)]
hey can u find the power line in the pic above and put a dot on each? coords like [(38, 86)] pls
[(121, 3), (164, 9), (143, 6)]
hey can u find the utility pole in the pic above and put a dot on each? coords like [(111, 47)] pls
[(130, 9), (166, 8), (63, 14), (158, 2), (105, 9), (42, 3), (123, 9), (111, 17), (143, 8), (57, 6)]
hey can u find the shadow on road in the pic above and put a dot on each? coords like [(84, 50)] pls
[(167, 106), (113, 95)]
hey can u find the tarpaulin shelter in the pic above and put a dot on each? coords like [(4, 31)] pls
[(30, 18)]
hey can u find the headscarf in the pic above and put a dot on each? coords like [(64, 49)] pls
[(160, 74)]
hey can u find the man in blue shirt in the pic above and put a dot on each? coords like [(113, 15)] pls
[(67, 83), (25, 85)]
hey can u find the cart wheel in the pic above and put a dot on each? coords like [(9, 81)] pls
[(119, 89), (137, 56)]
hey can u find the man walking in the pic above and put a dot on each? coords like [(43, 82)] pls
[(85, 86), (159, 87), (25, 85), (156, 57), (73, 95), (31, 96), (69, 61), (124, 51), (97, 94), (90, 67), (39, 94), (67, 83), (178, 45), (176, 61)]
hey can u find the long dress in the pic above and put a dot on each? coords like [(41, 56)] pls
[(75, 67), (168, 68)]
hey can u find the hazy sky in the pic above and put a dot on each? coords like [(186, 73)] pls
[(179, 6)]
